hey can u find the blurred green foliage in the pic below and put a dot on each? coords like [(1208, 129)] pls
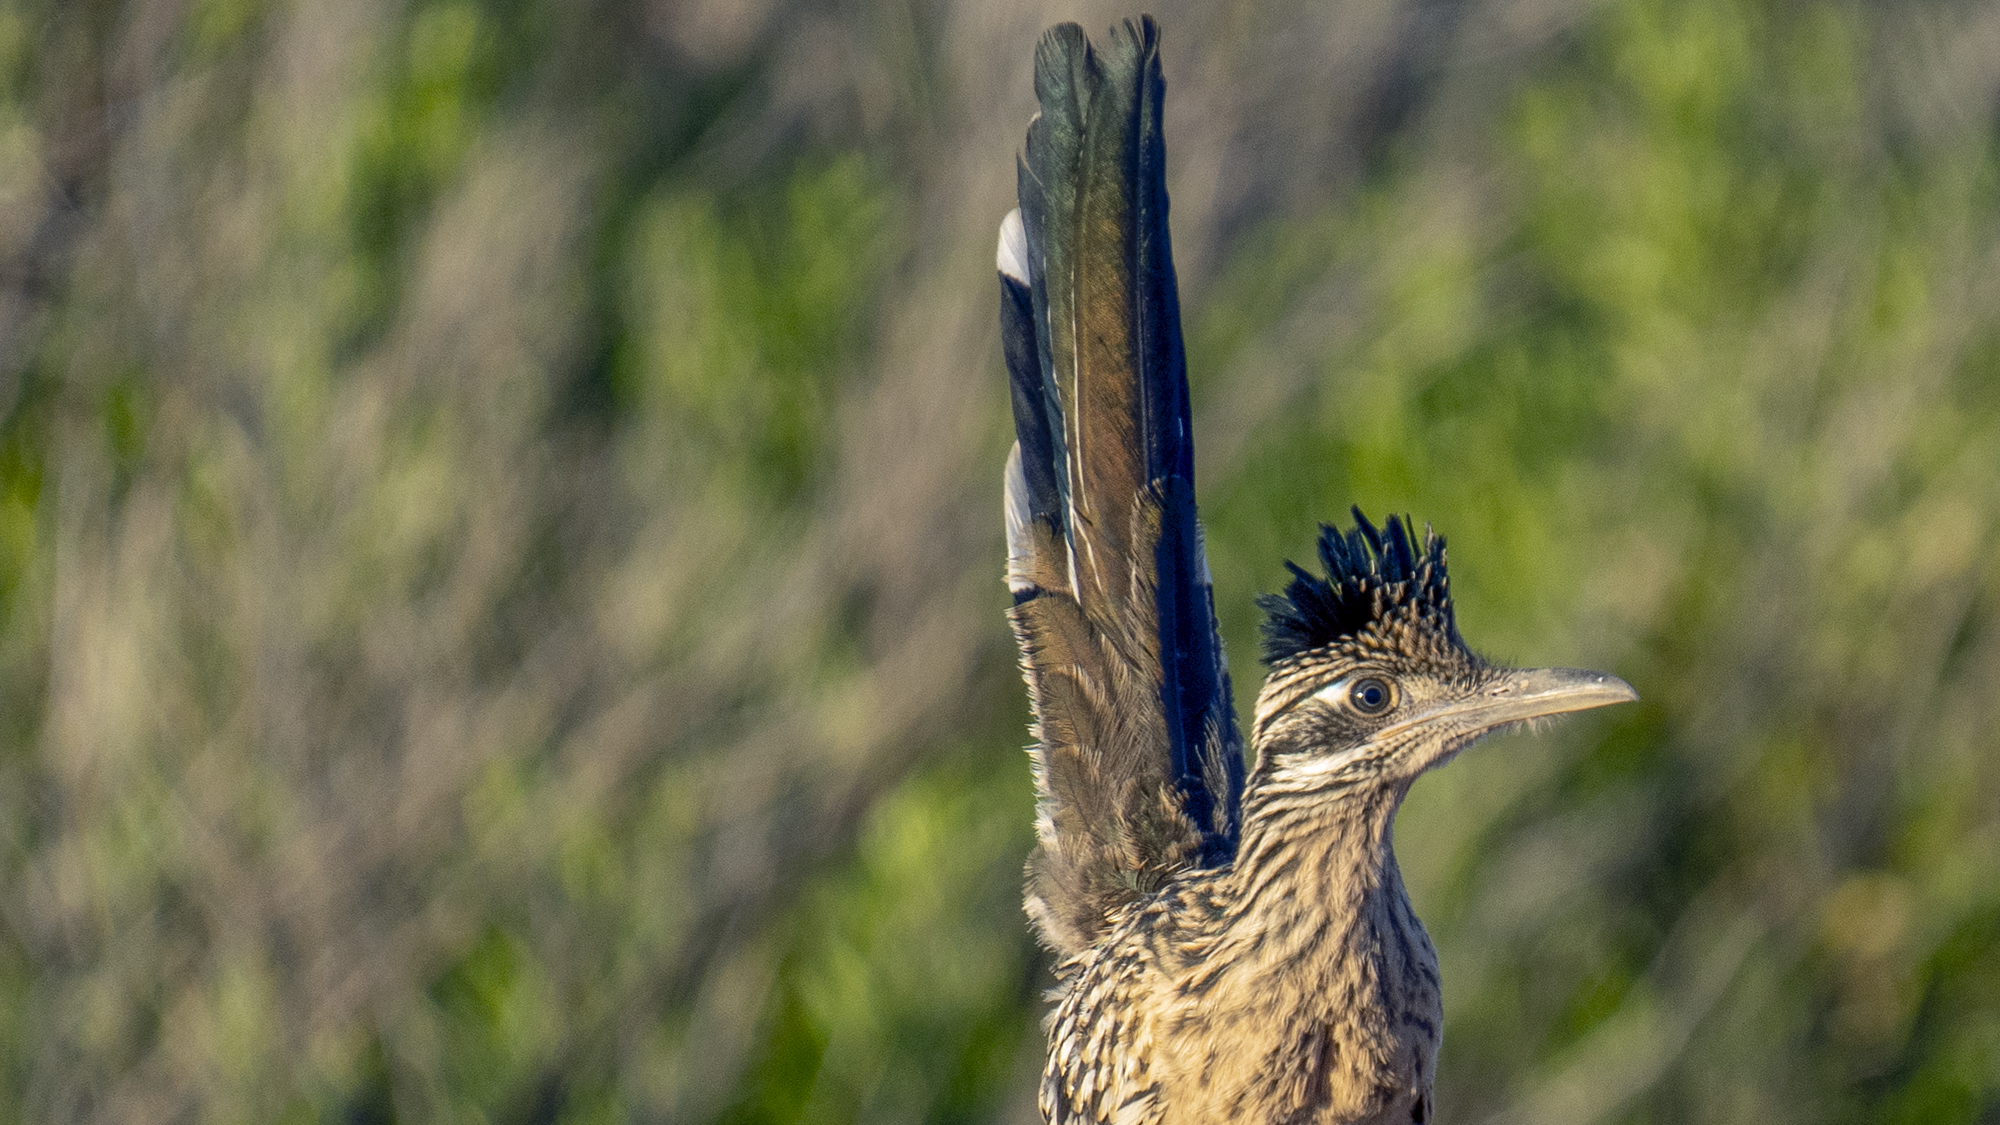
[(738, 308), (499, 548)]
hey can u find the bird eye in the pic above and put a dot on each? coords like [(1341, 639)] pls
[(1370, 696)]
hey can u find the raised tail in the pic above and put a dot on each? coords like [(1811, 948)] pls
[(1140, 767)]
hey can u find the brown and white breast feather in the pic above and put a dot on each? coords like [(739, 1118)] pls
[(1313, 1016)]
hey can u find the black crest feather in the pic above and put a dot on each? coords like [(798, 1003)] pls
[(1371, 574)]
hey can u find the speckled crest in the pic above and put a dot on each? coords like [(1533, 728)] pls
[(1374, 580)]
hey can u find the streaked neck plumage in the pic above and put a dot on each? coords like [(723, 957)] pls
[(1317, 854)]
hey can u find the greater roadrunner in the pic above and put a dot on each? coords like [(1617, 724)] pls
[(1227, 953)]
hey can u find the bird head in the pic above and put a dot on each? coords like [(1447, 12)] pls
[(1369, 680)]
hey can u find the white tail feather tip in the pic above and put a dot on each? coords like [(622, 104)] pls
[(1012, 257), (1019, 549)]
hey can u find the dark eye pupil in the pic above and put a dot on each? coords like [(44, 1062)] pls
[(1371, 695)]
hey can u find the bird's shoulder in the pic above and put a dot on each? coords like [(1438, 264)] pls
[(1117, 1018)]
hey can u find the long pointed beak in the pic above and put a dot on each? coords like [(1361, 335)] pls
[(1520, 694)]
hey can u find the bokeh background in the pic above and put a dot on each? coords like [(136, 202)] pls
[(500, 602)]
